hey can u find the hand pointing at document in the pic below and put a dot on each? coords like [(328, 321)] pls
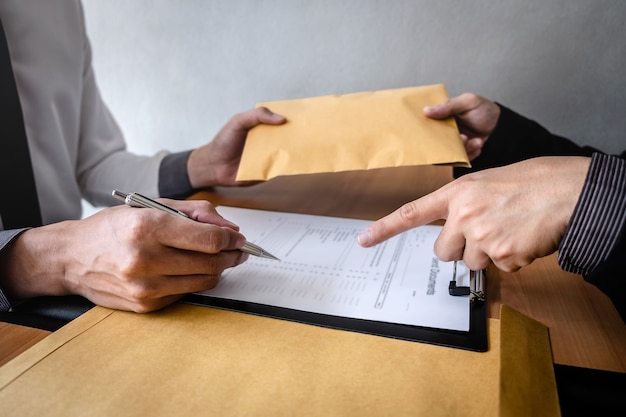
[(561, 197), (509, 215)]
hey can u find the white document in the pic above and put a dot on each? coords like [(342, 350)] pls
[(323, 269)]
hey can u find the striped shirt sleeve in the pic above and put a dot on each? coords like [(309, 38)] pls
[(599, 216), (5, 305)]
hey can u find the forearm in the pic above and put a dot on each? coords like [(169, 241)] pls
[(30, 265)]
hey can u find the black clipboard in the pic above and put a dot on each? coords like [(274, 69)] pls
[(475, 339)]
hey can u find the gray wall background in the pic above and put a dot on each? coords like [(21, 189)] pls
[(173, 72)]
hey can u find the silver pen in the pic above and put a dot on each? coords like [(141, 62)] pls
[(138, 200)]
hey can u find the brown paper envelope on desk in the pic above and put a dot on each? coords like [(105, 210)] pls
[(350, 132), (194, 361)]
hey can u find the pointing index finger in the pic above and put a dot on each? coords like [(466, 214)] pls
[(422, 211)]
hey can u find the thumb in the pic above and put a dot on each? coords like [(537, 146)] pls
[(245, 121), (439, 111), (453, 107), (267, 116)]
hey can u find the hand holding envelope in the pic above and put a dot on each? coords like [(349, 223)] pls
[(352, 132)]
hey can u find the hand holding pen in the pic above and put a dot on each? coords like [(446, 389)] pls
[(138, 200), (128, 259)]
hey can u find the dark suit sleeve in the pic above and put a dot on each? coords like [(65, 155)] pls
[(173, 176), (517, 138)]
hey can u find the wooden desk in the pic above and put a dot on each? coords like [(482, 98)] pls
[(15, 339), (585, 328)]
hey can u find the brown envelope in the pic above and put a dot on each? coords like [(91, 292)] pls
[(194, 361), (352, 132)]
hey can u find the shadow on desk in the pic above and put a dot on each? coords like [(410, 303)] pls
[(47, 313), (590, 392)]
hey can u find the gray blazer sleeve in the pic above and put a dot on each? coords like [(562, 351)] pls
[(6, 237)]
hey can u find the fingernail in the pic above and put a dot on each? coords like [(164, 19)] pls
[(364, 238)]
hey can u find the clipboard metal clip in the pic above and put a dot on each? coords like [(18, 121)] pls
[(476, 289)]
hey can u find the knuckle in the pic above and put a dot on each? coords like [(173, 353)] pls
[(476, 265), (208, 205), (505, 266), (408, 214), (503, 252), (445, 252), (464, 213), (481, 232), (128, 266), (445, 256), (200, 207), (508, 257), (262, 110), (132, 263), (216, 264), (236, 119), (476, 261), (216, 240), (137, 227), (139, 292), (143, 308), (241, 120), (211, 281), (472, 99), (213, 265), (204, 205)]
